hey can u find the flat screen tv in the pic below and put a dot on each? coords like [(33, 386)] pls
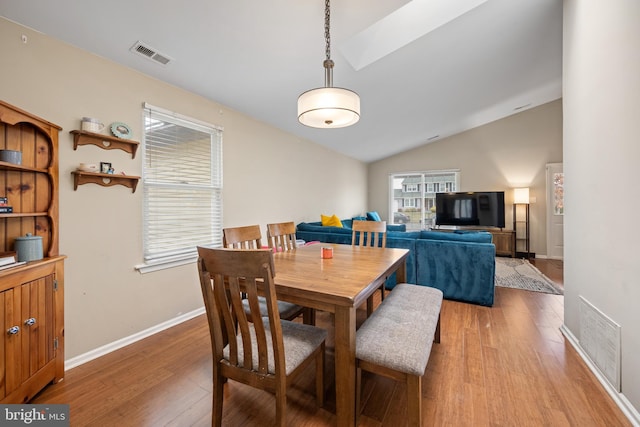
[(480, 209)]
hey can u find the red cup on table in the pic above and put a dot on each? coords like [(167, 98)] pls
[(326, 252)]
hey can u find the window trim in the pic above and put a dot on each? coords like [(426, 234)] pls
[(168, 261)]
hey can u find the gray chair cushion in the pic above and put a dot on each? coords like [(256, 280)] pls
[(300, 341)]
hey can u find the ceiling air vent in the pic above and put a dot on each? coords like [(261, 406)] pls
[(142, 49)]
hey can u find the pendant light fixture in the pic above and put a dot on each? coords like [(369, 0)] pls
[(328, 107)]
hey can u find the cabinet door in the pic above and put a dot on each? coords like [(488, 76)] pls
[(37, 325), (28, 325), (12, 332)]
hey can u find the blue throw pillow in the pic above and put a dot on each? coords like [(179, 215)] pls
[(373, 216)]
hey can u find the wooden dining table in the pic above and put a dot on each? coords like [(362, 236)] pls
[(338, 285)]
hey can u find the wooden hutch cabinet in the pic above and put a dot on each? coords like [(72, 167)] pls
[(32, 294)]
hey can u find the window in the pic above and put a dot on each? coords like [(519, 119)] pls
[(422, 209), (182, 178), (430, 203), (558, 193)]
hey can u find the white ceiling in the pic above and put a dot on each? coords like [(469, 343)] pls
[(258, 56)]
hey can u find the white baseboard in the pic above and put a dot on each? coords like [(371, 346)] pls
[(108, 348), (543, 256), (623, 403)]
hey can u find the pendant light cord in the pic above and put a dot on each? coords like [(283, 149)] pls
[(328, 63), (327, 25)]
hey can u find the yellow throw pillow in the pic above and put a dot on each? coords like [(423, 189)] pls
[(332, 221)]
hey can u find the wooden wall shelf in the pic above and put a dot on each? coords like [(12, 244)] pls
[(12, 166), (23, 214), (106, 142), (104, 179)]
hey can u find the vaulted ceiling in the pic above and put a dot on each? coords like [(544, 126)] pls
[(423, 70)]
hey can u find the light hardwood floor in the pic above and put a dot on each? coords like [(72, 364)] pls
[(507, 365)]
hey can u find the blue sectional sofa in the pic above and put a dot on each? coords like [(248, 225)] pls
[(461, 264)]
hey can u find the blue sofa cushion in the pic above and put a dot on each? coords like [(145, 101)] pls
[(403, 234), (347, 225), (475, 236), (373, 216), (319, 228)]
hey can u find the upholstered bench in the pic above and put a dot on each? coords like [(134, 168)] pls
[(395, 341)]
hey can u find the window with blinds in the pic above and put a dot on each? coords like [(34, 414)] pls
[(182, 178)]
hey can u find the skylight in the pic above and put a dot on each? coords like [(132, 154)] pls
[(406, 24)]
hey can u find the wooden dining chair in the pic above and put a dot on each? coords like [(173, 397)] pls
[(250, 237), (370, 233), (247, 237), (266, 353), (281, 237)]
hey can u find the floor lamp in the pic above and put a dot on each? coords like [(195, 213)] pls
[(521, 197)]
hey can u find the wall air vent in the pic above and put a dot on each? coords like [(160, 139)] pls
[(600, 340), (142, 49)]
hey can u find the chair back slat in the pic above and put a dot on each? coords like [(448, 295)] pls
[(369, 233), (246, 237), (258, 327), (235, 316), (228, 276), (281, 236), (214, 316)]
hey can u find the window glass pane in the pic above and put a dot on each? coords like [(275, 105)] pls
[(558, 193), (412, 196), (182, 186)]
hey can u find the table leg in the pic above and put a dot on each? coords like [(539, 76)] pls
[(345, 354), (401, 273)]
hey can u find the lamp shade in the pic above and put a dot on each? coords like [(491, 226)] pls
[(521, 195), (328, 107)]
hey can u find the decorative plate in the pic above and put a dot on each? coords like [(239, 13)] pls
[(121, 130)]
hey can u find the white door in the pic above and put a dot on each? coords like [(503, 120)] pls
[(555, 211)]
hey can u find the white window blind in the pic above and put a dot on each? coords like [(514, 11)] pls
[(182, 178)]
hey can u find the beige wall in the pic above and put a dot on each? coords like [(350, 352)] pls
[(269, 176), (601, 85), (511, 152)]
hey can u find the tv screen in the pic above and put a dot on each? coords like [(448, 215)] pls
[(480, 209)]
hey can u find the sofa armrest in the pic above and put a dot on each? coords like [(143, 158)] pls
[(463, 271)]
